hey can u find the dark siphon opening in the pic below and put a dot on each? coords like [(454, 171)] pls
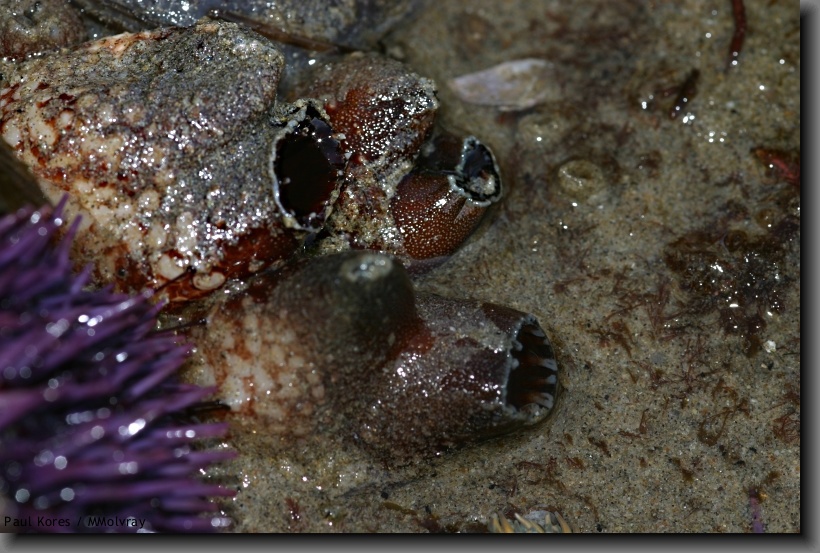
[(535, 379), (307, 166), (477, 173)]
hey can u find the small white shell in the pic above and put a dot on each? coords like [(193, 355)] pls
[(512, 85)]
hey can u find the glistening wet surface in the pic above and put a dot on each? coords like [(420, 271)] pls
[(651, 223), (657, 241)]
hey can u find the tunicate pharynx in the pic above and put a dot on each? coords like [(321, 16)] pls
[(342, 343)]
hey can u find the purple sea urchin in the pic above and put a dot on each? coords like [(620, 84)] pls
[(93, 432)]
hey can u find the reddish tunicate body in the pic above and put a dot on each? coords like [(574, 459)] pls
[(343, 344), (163, 141), (191, 172)]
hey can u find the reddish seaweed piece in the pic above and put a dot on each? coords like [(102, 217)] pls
[(735, 46), (782, 164)]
